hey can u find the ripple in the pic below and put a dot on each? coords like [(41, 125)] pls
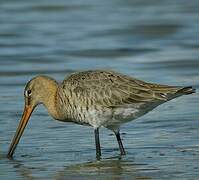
[(109, 52), (34, 72), (150, 30), (9, 35), (157, 30), (20, 45), (57, 8), (173, 64)]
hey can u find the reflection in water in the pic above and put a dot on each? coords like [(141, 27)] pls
[(114, 168), (111, 168), (22, 170), (19, 168), (30, 171)]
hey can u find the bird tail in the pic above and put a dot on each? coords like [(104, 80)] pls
[(186, 90), (174, 92), (180, 91)]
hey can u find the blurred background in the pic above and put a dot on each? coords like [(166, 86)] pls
[(156, 40)]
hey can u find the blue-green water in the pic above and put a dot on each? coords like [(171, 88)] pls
[(157, 41)]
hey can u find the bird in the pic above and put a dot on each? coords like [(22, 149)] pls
[(97, 98)]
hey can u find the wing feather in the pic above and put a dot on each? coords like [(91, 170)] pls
[(112, 89)]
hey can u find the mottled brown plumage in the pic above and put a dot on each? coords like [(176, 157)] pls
[(96, 98)]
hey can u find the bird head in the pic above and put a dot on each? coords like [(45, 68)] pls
[(37, 91)]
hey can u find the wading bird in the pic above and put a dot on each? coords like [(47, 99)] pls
[(97, 98)]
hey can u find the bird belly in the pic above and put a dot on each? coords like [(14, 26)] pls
[(108, 118), (98, 118), (91, 117), (125, 114), (122, 115)]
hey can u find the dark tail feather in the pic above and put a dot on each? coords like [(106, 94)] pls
[(186, 90)]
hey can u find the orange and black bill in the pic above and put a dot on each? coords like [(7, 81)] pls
[(22, 124)]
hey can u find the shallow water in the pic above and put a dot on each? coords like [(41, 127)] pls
[(156, 41)]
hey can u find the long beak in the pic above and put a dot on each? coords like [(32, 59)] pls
[(22, 124)]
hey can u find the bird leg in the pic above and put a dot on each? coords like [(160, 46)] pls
[(97, 143), (121, 147)]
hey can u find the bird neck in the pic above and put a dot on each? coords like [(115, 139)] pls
[(50, 99)]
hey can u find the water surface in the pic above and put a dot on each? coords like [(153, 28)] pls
[(156, 41)]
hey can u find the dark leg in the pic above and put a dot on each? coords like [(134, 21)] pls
[(97, 143), (121, 147)]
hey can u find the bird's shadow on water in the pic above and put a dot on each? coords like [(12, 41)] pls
[(116, 167)]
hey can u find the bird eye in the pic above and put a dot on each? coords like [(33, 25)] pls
[(28, 93)]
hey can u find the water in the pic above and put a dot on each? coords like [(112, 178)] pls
[(156, 41)]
